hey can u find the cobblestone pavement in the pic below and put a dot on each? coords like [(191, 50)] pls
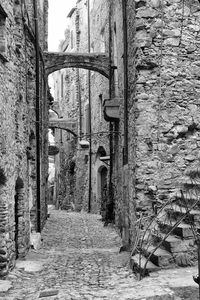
[(80, 259)]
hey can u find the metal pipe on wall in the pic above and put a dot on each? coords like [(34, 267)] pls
[(110, 205), (124, 9), (37, 112), (78, 82), (90, 119)]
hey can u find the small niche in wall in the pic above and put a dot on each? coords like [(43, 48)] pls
[(86, 159)]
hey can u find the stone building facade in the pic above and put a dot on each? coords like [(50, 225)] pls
[(19, 214), (71, 97), (153, 48)]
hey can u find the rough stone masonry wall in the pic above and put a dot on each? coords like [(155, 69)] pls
[(66, 97), (17, 96), (99, 91), (76, 90), (120, 178), (164, 120)]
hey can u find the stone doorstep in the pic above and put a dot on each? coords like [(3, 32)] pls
[(30, 265)]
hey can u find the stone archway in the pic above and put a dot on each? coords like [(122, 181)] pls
[(65, 124), (103, 190), (98, 62), (102, 181)]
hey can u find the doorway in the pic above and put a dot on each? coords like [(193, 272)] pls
[(16, 209), (19, 233), (103, 191)]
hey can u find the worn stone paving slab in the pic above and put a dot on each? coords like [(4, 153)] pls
[(80, 259), (5, 285)]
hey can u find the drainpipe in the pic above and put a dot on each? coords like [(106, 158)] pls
[(90, 117), (124, 9), (110, 208), (78, 84), (37, 113)]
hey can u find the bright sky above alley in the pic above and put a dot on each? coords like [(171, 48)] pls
[(58, 11)]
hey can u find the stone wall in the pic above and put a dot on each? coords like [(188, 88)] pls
[(17, 138), (166, 96), (162, 100), (75, 99)]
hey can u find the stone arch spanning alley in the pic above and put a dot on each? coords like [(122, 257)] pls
[(55, 61), (65, 124), (98, 62)]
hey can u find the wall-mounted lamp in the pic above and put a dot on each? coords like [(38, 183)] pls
[(84, 144)]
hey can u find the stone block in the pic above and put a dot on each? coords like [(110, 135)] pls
[(147, 13), (138, 263), (35, 240)]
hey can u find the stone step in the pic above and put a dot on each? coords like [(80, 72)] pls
[(172, 244), (189, 197), (175, 245), (138, 262), (178, 208), (190, 185), (183, 230), (193, 172), (160, 257), (176, 211)]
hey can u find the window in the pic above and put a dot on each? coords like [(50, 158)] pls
[(102, 41), (3, 41)]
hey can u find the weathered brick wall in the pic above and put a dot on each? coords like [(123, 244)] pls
[(17, 101)]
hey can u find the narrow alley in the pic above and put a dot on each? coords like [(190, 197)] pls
[(79, 259)]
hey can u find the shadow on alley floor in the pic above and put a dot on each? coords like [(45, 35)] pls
[(79, 259)]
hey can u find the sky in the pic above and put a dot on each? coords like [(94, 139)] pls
[(58, 11)]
